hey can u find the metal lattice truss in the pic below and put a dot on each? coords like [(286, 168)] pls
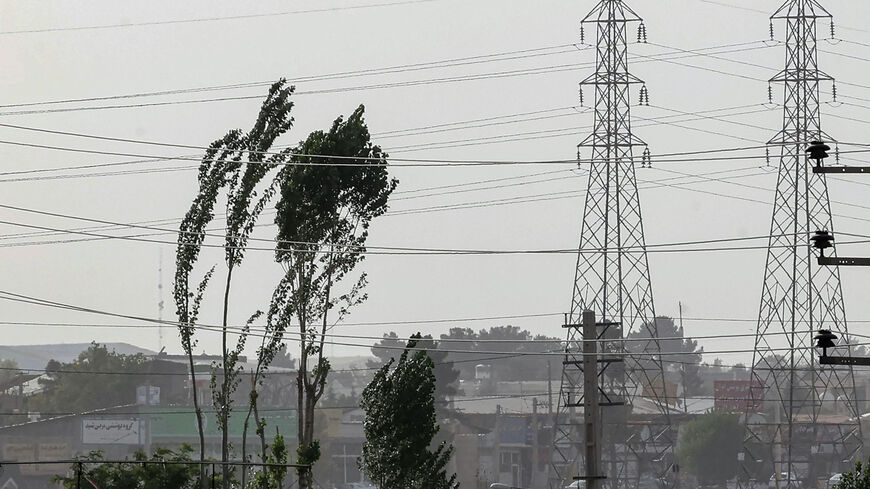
[(807, 425), (612, 280)]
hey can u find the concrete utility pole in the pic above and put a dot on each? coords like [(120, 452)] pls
[(612, 278), (591, 410)]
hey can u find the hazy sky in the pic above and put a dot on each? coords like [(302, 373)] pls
[(47, 57)]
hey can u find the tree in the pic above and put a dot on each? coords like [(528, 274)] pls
[(336, 184), (858, 479), (446, 376), (98, 378), (162, 474), (8, 369), (400, 424), (236, 163), (272, 475), (681, 352), (709, 446), (243, 208)]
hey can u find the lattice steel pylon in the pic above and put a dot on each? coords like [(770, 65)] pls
[(612, 279), (802, 418)]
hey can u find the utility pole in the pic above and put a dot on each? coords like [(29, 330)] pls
[(612, 280), (799, 295), (591, 410), (549, 391), (160, 344), (683, 366)]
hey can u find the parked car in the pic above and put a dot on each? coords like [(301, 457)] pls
[(576, 485), (358, 485), (833, 481), (784, 479), (648, 482)]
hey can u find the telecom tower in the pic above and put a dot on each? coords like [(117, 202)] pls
[(802, 418), (612, 280)]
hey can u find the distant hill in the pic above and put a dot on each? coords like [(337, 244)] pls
[(36, 356)]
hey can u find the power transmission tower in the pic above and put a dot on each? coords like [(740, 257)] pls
[(612, 280), (807, 425)]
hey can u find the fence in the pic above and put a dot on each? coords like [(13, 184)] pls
[(213, 468)]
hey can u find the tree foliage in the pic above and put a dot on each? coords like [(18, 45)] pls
[(235, 164), (336, 185), (134, 474), (684, 354), (74, 387), (8, 369), (272, 476), (856, 479), (243, 208), (400, 424), (446, 376), (509, 339), (709, 445)]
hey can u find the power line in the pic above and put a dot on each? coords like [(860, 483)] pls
[(10, 296), (194, 157), (445, 339), (477, 123), (656, 183), (214, 19), (385, 250), (406, 322), (650, 184), (437, 64), (354, 161), (462, 78), (558, 132)]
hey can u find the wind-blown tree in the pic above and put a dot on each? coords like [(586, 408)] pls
[(400, 424), (337, 183), (243, 209), (709, 445), (271, 347), (446, 377), (236, 163)]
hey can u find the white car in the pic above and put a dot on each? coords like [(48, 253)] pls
[(359, 485), (784, 479), (834, 480), (576, 485)]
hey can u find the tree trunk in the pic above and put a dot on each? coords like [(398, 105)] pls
[(245, 428), (310, 402), (225, 387), (309, 391), (244, 448), (198, 412), (307, 402), (300, 416), (261, 431)]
